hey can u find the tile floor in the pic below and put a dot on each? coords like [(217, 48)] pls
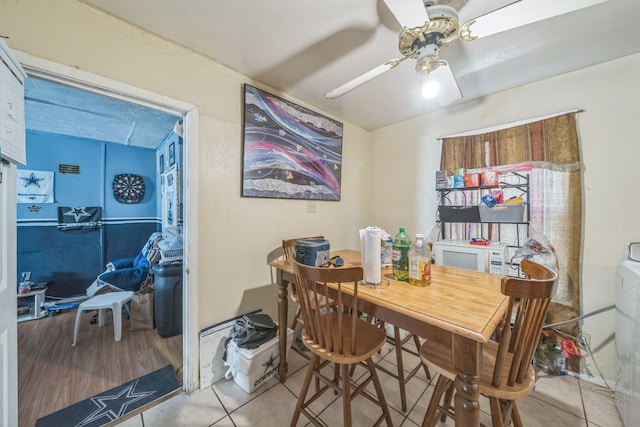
[(556, 401)]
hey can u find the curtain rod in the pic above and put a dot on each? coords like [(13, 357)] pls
[(508, 125)]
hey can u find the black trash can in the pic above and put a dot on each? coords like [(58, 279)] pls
[(168, 299)]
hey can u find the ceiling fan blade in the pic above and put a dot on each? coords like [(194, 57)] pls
[(350, 85), (409, 13), (523, 12), (449, 91)]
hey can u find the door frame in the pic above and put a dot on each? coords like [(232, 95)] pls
[(48, 70)]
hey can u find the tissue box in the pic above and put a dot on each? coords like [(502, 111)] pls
[(253, 368)]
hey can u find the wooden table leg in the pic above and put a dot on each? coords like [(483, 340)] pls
[(467, 359), (283, 312)]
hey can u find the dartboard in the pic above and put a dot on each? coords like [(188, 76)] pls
[(128, 188)]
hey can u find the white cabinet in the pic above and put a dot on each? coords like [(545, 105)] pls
[(31, 305)]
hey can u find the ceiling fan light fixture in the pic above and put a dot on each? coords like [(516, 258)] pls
[(427, 59), (430, 88)]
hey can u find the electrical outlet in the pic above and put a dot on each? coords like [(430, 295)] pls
[(584, 340), (311, 206)]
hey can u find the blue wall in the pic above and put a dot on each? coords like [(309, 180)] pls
[(71, 259)]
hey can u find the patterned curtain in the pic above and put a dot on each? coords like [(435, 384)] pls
[(555, 191)]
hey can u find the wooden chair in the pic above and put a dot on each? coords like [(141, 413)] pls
[(289, 247), (507, 370), (336, 336)]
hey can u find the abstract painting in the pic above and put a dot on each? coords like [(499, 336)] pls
[(290, 152)]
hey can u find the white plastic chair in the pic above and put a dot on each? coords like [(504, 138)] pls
[(110, 300)]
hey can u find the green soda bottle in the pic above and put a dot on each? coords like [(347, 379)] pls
[(400, 260)]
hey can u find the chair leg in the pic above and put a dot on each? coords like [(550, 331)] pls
[(441, 388), (448, 397), (346, 397), (496, 412), (400, 365), (515, 416), (116, 311), (379, 393), (315, 360), (76, 326), (400, 375), (416, 340)]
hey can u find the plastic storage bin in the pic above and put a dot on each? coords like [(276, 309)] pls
[(502, 213), (459, 213), (252, 368), (168, 299)]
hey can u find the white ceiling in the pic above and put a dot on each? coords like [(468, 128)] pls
[(65, 110), (307, 48)]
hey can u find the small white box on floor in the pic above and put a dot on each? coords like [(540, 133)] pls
[(252, 368)]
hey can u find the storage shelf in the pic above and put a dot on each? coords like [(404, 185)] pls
[(38, 304), (467, 223)]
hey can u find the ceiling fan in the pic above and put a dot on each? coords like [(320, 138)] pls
[(429, 26)]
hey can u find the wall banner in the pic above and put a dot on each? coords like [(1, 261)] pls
[(34, 186), (79, 218)]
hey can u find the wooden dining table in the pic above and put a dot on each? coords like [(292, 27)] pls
[(459, 308)]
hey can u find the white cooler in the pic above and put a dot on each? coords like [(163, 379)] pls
[(252, 368)]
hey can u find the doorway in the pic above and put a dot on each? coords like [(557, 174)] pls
[(54, 72)]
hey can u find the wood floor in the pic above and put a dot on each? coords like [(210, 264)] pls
[(52, 374)]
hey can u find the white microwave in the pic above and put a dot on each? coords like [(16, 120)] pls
[(492, 258)]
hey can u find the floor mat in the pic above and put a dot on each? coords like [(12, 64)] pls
[(115, 403)]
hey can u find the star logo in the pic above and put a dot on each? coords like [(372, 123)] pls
[(77, 213), (34, 208), (271, 363), (114, 406), (32, 180)]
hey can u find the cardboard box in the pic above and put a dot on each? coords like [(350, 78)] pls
[(450, 179), (212, 350), (253, 368), (502, 213), (441, 179), (472, 180), (489, 179)]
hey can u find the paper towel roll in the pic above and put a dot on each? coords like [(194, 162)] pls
[(370, 250)]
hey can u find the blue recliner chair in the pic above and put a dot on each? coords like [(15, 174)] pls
[(130, 273)]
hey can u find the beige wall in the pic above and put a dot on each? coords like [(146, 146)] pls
[(235, 233), (609, 94)]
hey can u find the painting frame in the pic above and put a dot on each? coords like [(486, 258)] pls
[(289, 151), (171, 214), (172, 154), (161, 163)]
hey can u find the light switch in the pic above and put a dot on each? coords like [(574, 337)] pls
[(311, 206)]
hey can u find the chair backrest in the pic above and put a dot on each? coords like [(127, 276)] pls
[(530, 298), (289, 246), (328, 318), (276, 254), (151, 250)]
